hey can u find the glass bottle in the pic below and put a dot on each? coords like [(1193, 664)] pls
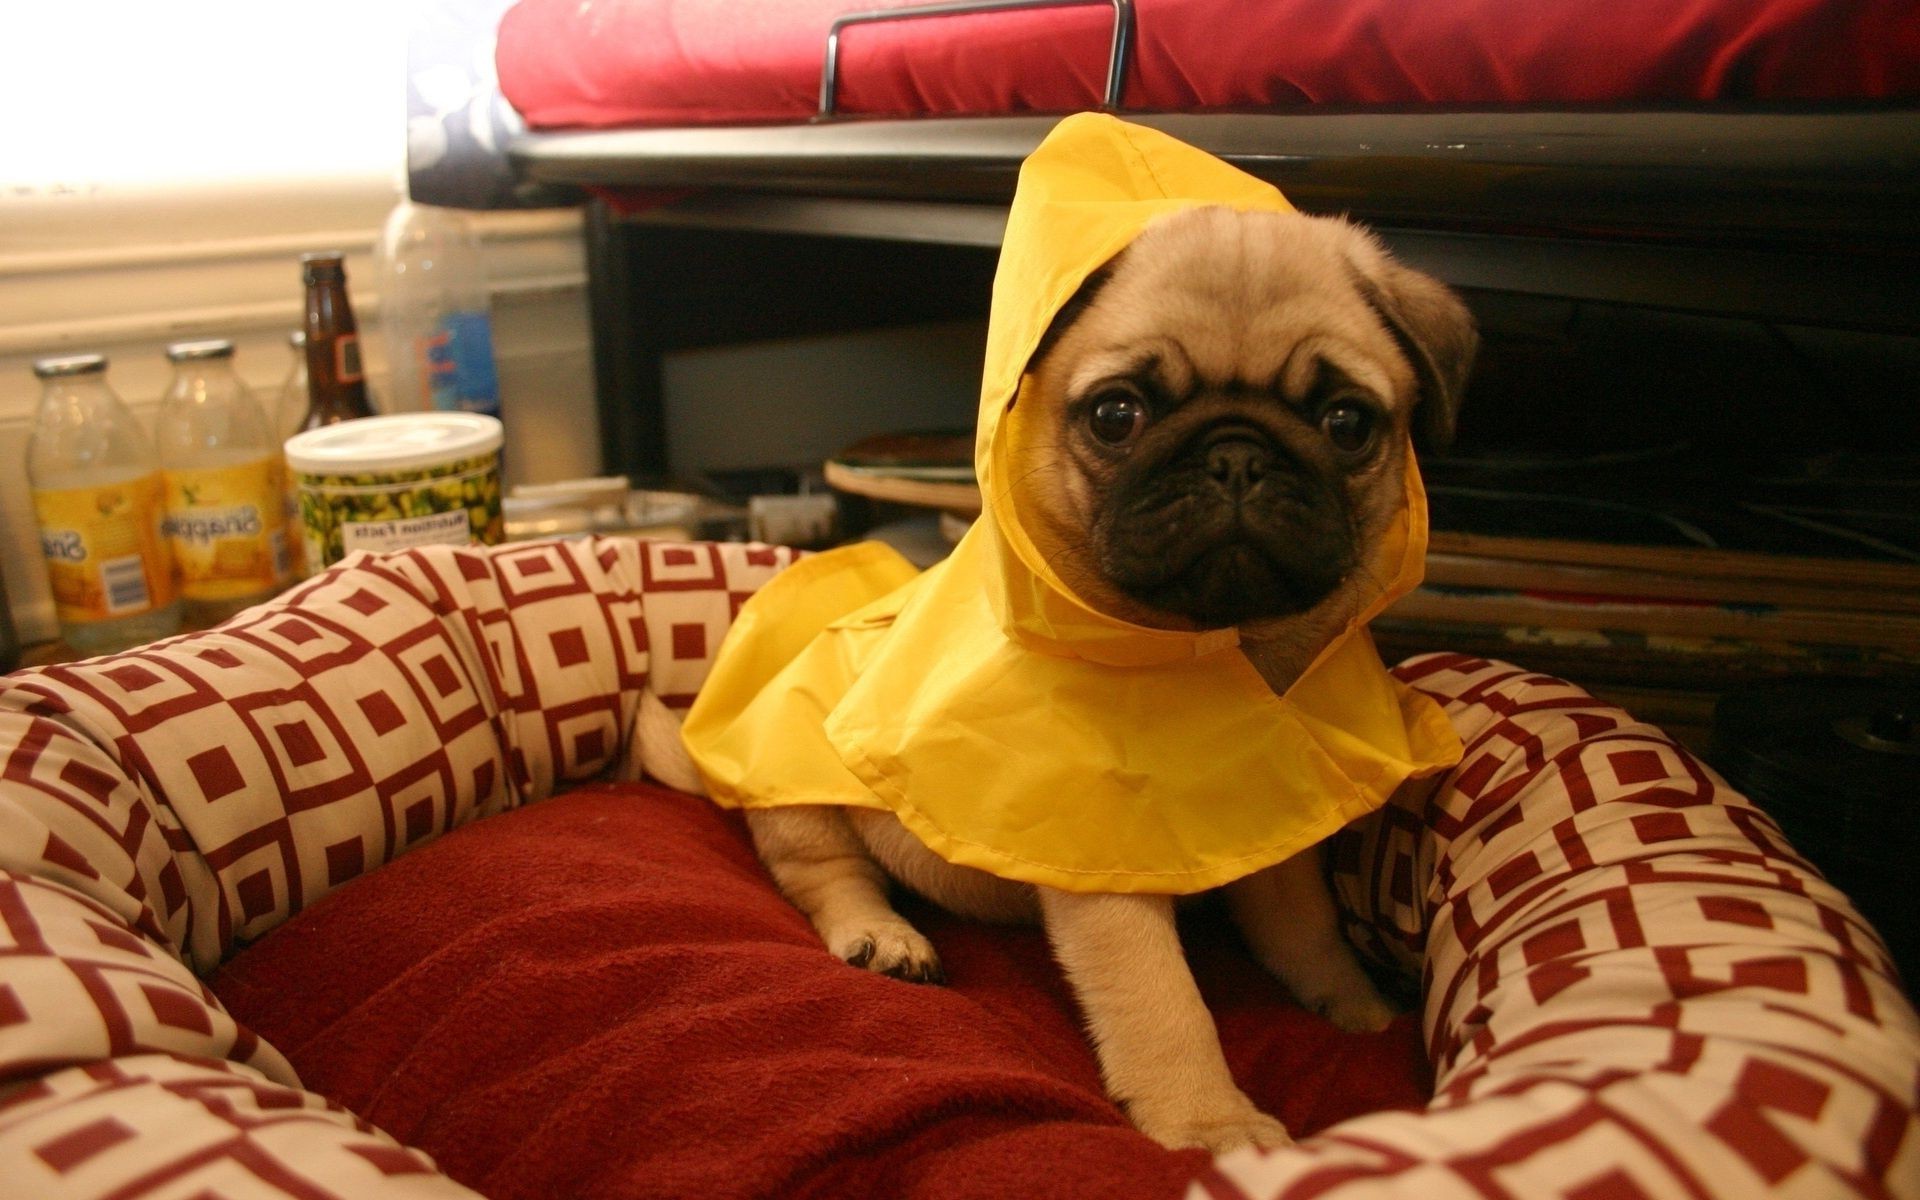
[(336, 381), (289, 409), (99, 499), (9, 636), (434, 312), (226, 522), (291, 405)]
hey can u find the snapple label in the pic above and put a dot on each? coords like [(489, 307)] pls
[(105, 557), (223, 524)]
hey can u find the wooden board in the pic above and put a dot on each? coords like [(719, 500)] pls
[(961, 498)]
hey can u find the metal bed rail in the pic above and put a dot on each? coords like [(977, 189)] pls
[(1118, 54)]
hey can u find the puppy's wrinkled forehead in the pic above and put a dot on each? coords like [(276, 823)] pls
[(1211, 297)]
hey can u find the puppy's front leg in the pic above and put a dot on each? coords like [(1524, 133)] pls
[(823, 868), (1287, 916), (1158, 1048)]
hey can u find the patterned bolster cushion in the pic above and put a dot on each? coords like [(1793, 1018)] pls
[(1633, 987), (160, 808)]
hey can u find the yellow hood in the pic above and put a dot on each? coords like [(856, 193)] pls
[(1011, 726)]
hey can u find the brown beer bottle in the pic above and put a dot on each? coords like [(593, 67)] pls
[(336, 383)]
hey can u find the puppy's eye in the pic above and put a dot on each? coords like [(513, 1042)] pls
[(1117, 418), (1348, 426)]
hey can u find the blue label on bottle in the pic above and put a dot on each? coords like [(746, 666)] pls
[(460, 374)]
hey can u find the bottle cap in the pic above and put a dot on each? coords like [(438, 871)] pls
[(396, 442), (196, 351), (70, 364), (323, 264)]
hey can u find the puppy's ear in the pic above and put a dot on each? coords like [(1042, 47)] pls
[(1435, 332)]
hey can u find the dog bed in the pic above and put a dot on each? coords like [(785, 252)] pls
[(211, 983)]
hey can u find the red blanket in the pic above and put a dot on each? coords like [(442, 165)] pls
[(602, 995)]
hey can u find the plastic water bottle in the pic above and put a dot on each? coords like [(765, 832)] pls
[(435, 312), (226, 519), (98, 495)]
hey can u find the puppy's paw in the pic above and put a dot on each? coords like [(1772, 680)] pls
[(1230, 1127), (895, 949), (1357, 1012)]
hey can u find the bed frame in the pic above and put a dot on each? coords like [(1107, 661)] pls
[(1794, 216)]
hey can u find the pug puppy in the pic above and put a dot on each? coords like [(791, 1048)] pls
[(1219, 422)]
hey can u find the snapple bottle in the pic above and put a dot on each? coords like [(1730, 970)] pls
[(99, 499), (222, 465)]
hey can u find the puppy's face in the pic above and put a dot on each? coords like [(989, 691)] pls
[(1216, 429)]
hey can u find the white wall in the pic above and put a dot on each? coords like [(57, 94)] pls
[(163, 166)]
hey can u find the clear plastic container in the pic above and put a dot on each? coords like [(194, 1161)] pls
[(435, 314), (603, 505), (99, 499), (222, 461)]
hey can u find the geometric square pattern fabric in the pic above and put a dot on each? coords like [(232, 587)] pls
[(248, 770), (78, 985), (164, 805), (1632, 986), (158, 1125)]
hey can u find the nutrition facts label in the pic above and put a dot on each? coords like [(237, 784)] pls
[(433, 529)]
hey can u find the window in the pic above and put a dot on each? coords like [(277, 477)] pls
[(121, 94), (163, 166)]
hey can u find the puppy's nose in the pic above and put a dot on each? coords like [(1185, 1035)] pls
[(1238, 462)]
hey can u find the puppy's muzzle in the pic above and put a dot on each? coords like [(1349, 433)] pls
[(1237, 457), (1230, 524)]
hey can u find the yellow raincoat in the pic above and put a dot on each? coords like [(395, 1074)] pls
[(1010, 726)]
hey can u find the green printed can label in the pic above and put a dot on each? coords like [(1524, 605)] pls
[(408, 492)]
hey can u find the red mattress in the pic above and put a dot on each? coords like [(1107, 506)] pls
[(615, 63)]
